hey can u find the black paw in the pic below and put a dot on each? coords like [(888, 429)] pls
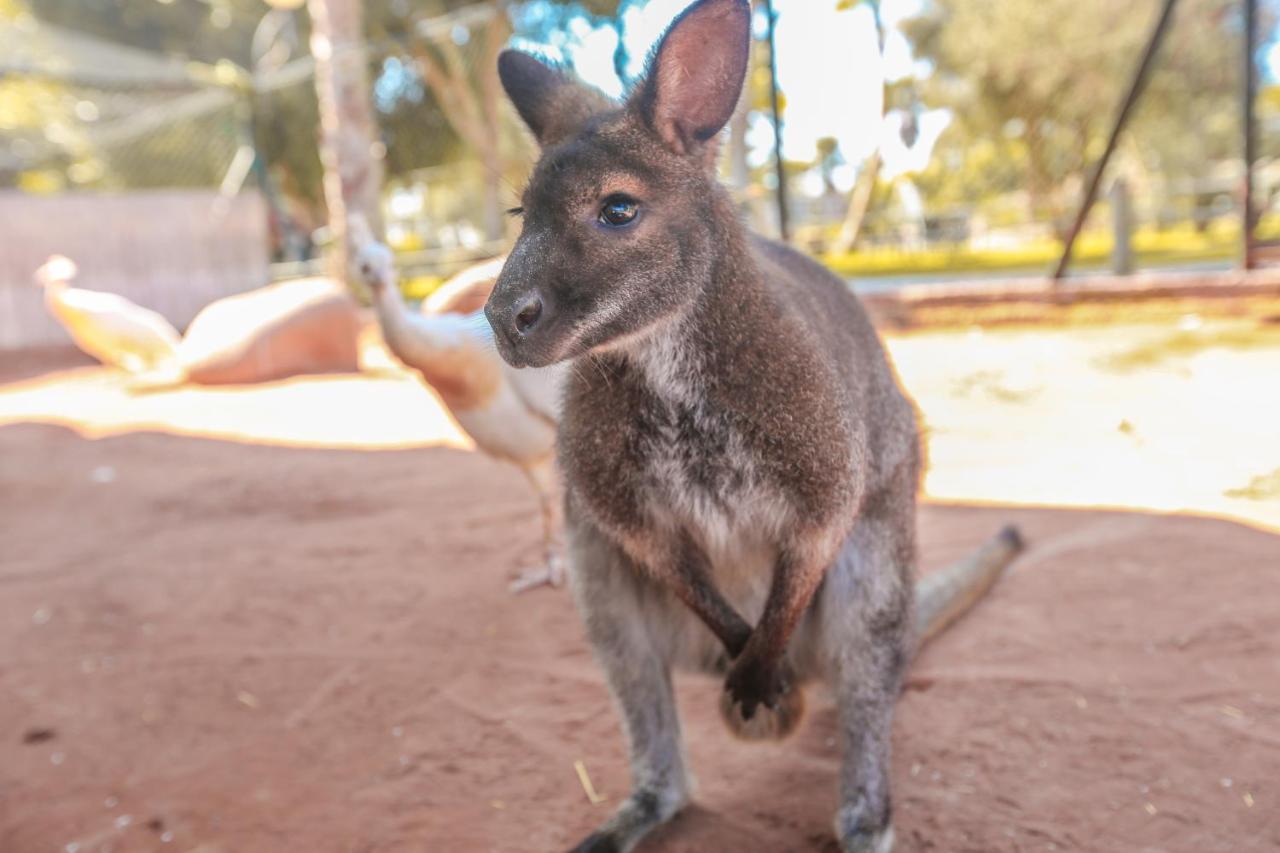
[(598, 842), (753, 682)]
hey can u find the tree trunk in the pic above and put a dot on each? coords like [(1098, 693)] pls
[(1121, 229), (491, 95), (859, 204), (474, 110), (865, 189), (493, 214), (352, 166)]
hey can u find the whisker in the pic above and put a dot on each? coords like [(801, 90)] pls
[(478, 325)]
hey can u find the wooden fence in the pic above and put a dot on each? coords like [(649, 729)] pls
[(171, 251)]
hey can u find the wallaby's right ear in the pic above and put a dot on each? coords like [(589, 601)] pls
[(695, 76), (552, 103)]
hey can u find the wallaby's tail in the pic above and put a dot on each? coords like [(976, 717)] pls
[(944, 596)]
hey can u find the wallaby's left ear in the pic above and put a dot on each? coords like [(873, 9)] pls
[(695, 76), (552, 103)]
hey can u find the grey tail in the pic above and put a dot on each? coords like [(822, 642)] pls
[(944, 596)]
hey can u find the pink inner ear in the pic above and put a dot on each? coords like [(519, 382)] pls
[(698, 71)]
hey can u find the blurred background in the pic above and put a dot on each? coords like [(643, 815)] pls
[(919, 139)]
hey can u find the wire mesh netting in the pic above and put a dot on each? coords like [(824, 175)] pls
[(83, 112), (973, 156), (79, 112)]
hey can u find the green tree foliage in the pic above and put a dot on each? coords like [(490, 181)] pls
[(436, 96), (1034, 86), (218, 37), (201, 31), (30, 109), (549, 22)]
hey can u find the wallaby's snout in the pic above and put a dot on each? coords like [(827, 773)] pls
[(528, 313), (515, 324), (522, 316)]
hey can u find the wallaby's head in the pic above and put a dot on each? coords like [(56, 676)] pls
[(623, 216)]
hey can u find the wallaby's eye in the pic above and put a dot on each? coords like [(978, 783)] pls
[(619, 210), (516, 211)]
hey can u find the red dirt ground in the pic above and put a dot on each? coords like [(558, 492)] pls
[(230, 647), (218, 646)]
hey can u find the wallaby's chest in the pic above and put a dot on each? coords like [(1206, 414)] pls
[(649, 458), (691, 464)]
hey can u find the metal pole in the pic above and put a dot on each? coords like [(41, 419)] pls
[(1248, 219), (1121, 228), (1135, 89), (781, 196)]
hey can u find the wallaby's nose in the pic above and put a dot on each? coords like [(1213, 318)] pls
[(528, 313)]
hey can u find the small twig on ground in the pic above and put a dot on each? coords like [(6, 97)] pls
[(587, 787)]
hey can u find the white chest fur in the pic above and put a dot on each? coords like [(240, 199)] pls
[(703, 480)]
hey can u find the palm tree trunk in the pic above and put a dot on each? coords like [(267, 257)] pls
[(864, 190), (859, 204), (352, 169)]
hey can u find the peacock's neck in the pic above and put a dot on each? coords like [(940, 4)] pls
[(393, 318), (445, 355)]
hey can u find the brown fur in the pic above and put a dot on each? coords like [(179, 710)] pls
[(733, 440)]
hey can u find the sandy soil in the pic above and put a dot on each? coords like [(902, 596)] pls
[(1177, 418), (224, 628)]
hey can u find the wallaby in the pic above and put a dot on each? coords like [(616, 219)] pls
[(735, 446)]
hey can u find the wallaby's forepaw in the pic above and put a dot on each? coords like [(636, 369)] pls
[(753, 682), (767, 723)]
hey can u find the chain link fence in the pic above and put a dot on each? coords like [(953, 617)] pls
[(80, 113)]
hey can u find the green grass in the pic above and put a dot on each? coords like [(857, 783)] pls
[(1182, 243), (1092, 251)]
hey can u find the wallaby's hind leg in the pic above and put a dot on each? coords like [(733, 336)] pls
[(609, 593), (864, 821), (866, 620)]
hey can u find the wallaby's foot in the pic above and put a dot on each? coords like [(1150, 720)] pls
[(550, 574), (633, 820), (859, 833), (597, 842), (865, 825), (753, 681), (868, 842)]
